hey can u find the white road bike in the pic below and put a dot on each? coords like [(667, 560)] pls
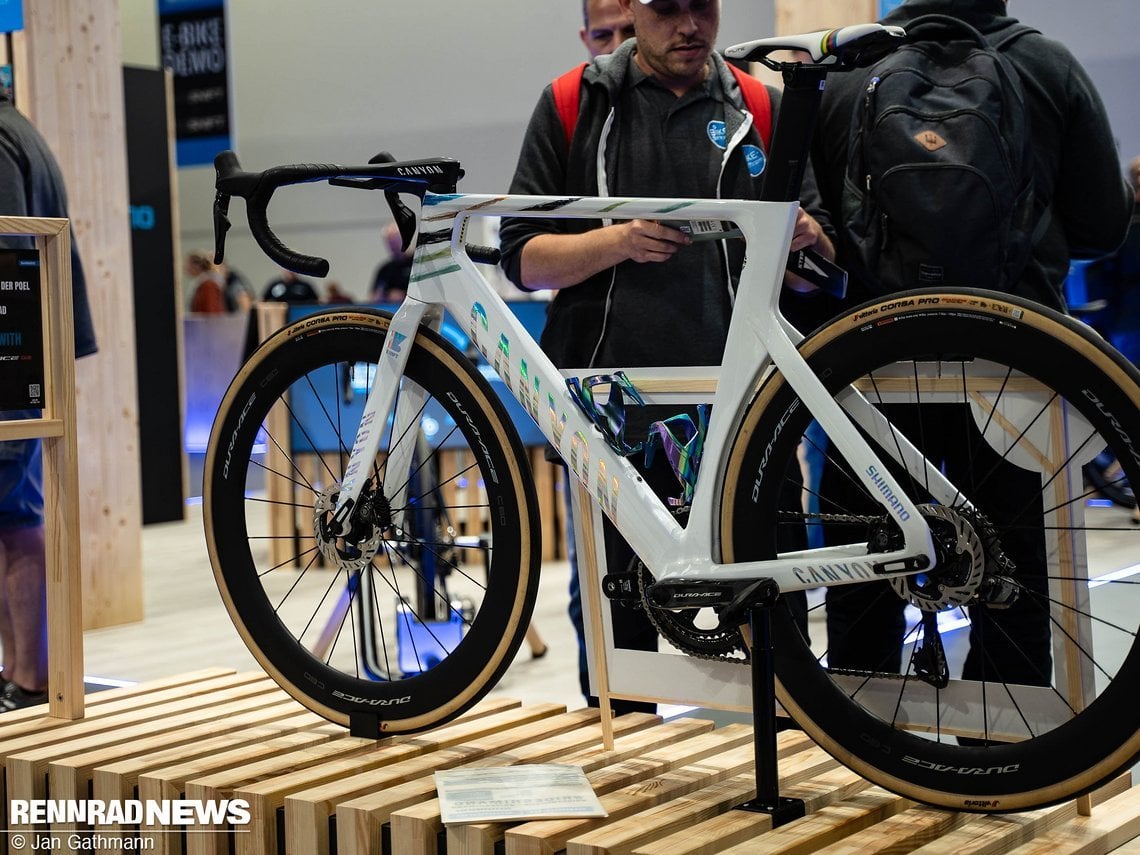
[(1014, 389)]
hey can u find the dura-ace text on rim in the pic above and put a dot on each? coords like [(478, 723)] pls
[(416, 610), (1012, 400)]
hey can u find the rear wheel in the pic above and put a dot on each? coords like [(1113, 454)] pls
[(413, 616), (1004, 679)]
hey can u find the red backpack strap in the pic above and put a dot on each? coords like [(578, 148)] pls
[(758, 102), (567, 88)]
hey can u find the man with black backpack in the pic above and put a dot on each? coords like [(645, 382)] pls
[(979, 155)]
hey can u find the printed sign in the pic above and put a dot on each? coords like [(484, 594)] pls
[(192, 39), (21, 331)]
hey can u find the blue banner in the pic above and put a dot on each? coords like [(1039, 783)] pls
[(173, 7), (192, 40), (11, 15)]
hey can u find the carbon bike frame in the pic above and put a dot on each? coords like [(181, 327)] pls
[(443, 277)]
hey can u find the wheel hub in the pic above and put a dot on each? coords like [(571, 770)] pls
[(356, 549), (961, 564)]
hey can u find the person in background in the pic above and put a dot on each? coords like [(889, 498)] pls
[(31, 185), (605, 25), (236, 289), (1085, 207), (1117, 280), (288, 287), (390, 281), (208, 295), (333, 294), (639, 292)]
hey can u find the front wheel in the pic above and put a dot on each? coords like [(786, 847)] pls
[(1005, 679), (414, 614)]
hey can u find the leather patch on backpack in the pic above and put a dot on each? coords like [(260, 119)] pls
[(930, 140)]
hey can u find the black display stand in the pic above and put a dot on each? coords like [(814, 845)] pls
[(768, 799)]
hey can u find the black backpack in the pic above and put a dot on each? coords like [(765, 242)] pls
[(939, 182)]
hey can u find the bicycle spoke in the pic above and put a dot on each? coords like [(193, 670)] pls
[(1045, 580)]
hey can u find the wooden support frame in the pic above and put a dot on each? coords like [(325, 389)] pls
[(640, 675), (664, 677), (57, 429)]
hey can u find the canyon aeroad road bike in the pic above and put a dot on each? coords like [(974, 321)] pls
[(1006, 385)]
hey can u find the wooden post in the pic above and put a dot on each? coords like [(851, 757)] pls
[(57, 428), (590, 584), (68, 67)]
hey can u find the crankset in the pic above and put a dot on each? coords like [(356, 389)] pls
[(696, 632)]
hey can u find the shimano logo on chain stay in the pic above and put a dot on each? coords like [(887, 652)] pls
[(881, 483)]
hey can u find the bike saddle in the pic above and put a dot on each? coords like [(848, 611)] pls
[(856, 46)]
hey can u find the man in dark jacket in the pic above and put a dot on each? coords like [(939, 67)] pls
[(30, 186), (1084, 208), (662, 116)]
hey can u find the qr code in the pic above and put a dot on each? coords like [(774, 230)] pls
[(33, 390)]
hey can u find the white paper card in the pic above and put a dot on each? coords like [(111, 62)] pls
[(539, 791)]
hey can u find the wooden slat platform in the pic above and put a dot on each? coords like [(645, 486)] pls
[(670, 787)]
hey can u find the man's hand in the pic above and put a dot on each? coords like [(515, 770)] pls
[(559, 261), (808, 234), (650, 241)]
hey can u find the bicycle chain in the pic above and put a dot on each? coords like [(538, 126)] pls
[(880, 675), (737, 643), (861, 519)]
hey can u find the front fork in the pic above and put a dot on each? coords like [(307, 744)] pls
[(386, 392)]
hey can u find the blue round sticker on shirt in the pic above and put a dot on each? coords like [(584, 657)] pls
[(754, 157), (717, 133)]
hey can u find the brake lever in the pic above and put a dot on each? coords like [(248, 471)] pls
[(221, 224), (404, 216), (401, 213)]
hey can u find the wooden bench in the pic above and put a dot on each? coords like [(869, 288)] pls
[(670, 787)]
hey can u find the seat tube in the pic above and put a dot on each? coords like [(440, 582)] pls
[(791, 143)]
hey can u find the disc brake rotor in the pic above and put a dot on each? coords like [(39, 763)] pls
[(961, 564), (347, 555)]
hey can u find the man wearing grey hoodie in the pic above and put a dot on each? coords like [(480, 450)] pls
[(662, 116)]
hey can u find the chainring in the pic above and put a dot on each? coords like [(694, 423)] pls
[(680, 627)]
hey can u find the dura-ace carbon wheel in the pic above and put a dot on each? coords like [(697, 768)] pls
[(1005, 678), (413, 615)]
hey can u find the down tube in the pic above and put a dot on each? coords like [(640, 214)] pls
[(541, 390)]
